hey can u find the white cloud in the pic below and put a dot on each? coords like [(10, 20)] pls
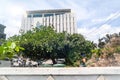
[(81, 12), (11, 18), (110, 17), (16, 11), (12, 27), (39, 4), (94, 33), (12, 32)]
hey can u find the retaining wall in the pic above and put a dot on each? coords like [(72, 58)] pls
[(82, 73)]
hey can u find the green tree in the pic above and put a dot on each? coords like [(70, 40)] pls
[(45, 43)]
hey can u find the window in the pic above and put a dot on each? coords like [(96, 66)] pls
[(37, 15), (47, 15), (29, 16), (59, 13)]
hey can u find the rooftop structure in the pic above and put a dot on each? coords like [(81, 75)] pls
[(49, 11)]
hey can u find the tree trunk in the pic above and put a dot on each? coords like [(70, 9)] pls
[(53, 60)]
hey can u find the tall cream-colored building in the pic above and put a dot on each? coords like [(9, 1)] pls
[(60, 19)]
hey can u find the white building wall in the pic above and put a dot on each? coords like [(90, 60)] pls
[(28, 23), (47, 23), (54, 22), (63, 22), (68, 23), (75, 25), (72, 24), (24, 25), (32, 22), (43, 21), (57, 23), (51, 21)]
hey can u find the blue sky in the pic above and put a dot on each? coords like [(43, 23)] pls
[(95, 18)]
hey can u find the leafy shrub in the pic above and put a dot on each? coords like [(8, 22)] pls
[(117, 50), (97, 52), (108, 51), (9, 49)]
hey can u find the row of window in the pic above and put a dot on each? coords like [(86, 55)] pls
[(40, 15)]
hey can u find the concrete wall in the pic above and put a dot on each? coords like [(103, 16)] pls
[(92, 73)]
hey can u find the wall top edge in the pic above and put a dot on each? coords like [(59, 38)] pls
[(60, 71)]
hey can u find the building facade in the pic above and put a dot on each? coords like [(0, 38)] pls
[(60, 19), (2, 34)]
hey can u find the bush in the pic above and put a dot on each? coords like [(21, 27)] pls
[(108, 51), (117, 50), (97, 52)]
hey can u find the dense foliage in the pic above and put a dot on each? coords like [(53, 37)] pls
[(45, 43), (8, 49)]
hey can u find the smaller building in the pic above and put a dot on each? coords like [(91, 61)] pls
[(2, 34)]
